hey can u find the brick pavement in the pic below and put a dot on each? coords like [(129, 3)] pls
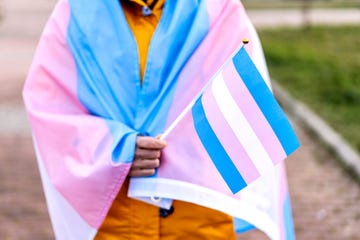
[(325, 200)]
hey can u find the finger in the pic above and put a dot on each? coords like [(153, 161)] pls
[(146, 153), (141, 172), (146, 164), (150, 143)]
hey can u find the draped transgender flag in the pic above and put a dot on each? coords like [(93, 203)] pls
[(86, 107)]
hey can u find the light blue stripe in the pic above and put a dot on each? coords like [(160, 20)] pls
[(242, 226), (217, 153), (106, 58), (266, 101), (288, 220)]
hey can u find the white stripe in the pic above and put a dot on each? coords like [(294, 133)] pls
[(188, 192), (240, 126), (66, 222)]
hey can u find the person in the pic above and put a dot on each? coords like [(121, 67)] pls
[(102, 88)]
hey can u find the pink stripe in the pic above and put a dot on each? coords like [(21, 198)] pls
[(214, 9), (228, 139), (74, 146), (253, 114), (62, 91)]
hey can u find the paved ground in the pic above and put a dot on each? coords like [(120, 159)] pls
[(325, 200), (297, 17)]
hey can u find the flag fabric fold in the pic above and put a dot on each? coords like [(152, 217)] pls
[(86, 106)]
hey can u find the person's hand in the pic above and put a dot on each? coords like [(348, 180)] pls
[(147, 156)]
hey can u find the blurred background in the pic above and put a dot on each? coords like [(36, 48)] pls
[(313, 52)]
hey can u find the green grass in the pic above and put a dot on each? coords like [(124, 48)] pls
[(299, 3), (320, 66)]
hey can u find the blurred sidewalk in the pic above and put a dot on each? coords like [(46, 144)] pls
[(325, 200), (296, 17)]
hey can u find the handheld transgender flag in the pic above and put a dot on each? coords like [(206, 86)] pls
[(240, 124)]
